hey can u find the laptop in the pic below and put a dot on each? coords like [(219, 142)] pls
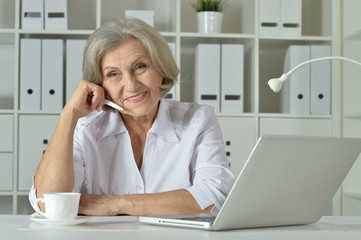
[(287, 180)]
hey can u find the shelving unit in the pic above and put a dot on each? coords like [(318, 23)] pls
[(351, 98), (176, 20)]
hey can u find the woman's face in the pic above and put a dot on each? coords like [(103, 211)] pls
[(130, 79)]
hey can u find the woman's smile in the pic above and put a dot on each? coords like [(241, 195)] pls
[(137, 98)]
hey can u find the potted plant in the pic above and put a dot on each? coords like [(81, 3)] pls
[(209, 15)]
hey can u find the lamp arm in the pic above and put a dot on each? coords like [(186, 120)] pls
[(290, 72), (276, 83)]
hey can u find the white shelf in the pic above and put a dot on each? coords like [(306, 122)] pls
[(26, 112), (7, 30), (168, 34), (274, 115), (236, 115), (22, 193), (6, 193), (56, 32), (5, 111), (356, 115), (70, 32), (220, 36), (299, 116), (297, 38)]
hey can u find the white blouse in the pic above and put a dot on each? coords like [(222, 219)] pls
[(184, 149)]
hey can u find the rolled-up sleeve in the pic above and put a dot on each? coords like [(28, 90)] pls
[(211, 177), (32, 198), (79, 164)]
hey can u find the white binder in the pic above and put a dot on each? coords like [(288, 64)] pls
[(52, 74), (320, 80), (232, 78), (30, 74), (74, 62), (56, 16), (172, 92), (269, 11), (207, 74), (32, 14), (296, 90), (291, 17), (144, 15)]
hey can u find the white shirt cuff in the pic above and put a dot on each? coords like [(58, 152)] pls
[(32, 198), (202, 197)]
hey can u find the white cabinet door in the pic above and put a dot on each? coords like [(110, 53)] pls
[(35, 132), (6, 171), (296, 126), (6, 133), (238, 136)]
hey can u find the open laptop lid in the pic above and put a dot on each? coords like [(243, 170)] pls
[(287, 180)]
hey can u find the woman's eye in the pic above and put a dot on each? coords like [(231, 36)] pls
[(141, 66), (112, 75)]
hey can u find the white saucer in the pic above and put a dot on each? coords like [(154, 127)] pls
[(75, 221)]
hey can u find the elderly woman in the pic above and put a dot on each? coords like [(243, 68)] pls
[(156, 156)]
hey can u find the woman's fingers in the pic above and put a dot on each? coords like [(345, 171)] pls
[(86, 98)]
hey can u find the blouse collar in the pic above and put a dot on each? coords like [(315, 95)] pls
[(163, 124)]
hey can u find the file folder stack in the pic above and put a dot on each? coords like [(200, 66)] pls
[(308, 91), (32, 14), (281, 17), (320, 81), (208, 73), (296, 92), (52, 74), (270, 17), (232, 78), (291, 17), (219, 76), (44, 14), (56, 14), (42, 72), (30, 74)]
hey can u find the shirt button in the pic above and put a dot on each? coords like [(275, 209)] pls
[(139, 187)]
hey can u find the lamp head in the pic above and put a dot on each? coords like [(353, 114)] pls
[(276, 83)]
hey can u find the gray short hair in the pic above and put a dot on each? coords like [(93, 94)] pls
[(117, 31)]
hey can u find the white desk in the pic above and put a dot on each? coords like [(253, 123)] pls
[(128, 228)]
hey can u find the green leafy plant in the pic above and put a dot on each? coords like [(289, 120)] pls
[(208, 5)]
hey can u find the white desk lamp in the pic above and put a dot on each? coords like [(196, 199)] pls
[(276, 83)]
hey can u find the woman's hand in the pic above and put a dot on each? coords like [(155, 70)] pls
[(86, 98)]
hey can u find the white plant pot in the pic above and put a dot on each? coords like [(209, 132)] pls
[(210, 22)]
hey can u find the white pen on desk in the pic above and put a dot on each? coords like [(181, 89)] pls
[(111, 104)]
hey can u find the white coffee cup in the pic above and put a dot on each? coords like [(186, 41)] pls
[(60, 206)]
